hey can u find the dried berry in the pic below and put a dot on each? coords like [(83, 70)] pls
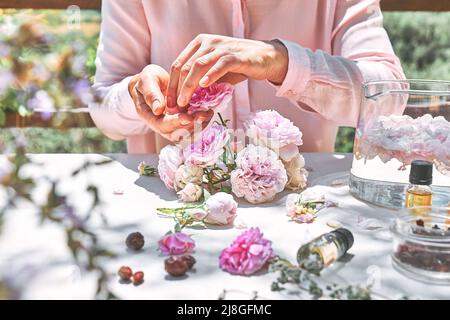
[(138, 277), (125, 273), (135, 241), (176, 266), (420, 223)]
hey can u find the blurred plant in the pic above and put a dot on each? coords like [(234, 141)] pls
[(81, 242), (37, 74), (307, 282)]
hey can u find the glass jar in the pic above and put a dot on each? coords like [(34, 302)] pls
[(422, 244), (401, 121)]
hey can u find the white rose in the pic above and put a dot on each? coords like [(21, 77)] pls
[(188, 174), (221, 209), (190, 193), (297, 174)]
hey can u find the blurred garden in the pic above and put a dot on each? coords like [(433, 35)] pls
[(420, 39)]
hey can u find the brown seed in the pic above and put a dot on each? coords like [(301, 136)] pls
[(135, 241)]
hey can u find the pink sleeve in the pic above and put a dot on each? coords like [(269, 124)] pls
[(330, 84), (123, 51)]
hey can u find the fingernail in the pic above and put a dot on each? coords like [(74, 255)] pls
[(156, 105), (204, 81), (182, 101)]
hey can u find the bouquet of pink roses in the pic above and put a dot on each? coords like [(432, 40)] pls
[(270, 163)]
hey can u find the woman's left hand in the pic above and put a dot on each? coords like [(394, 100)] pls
[(211, 58)]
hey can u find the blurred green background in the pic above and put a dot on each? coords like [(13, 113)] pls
[(420, 39)]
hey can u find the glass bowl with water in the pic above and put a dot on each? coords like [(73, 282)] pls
[(401, 121)]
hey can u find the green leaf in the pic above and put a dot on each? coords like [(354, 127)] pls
[(206, 194), (23, 111), (2, 118)]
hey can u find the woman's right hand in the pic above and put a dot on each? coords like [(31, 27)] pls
[(146, 89)]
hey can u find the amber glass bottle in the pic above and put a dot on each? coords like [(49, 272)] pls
[(419, 192)]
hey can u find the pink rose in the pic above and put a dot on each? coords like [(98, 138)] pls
[(248, 253), (221, 209), (176, 244), (170, 158), (208, 148), (259, 174), (270, 129), (215, 97)]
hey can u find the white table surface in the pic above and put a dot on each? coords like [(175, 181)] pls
[(35, 260)]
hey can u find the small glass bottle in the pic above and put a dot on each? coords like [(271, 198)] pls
[(324, 250), (419, 192)]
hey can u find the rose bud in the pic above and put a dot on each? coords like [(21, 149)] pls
[(138, 278), (125, 273), (176, 266)]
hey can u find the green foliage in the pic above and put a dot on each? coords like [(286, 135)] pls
[(89, 140), (422, 42)]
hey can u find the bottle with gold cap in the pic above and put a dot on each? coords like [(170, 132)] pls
[(419, 192)]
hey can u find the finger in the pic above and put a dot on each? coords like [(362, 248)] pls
[(181, 136), (150, 89), (170, 123), (142, 109), (175, 70), (223, 66), (232, 78), (198, 66), (203, 116)]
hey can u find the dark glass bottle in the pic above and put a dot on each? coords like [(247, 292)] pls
[(324, 250)]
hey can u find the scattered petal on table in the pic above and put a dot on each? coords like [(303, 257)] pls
[(240, 223), (334, 224)]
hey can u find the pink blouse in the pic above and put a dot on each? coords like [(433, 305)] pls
[(333, 46)]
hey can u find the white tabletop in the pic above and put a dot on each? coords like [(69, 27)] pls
[(35, 260)]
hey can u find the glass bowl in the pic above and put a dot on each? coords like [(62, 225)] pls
[(401, 121), (422, 244)]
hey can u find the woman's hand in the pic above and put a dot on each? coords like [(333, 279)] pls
[(146, 89), (211, 58)]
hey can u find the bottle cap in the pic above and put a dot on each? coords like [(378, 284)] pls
[(421, 172), (345, 236)]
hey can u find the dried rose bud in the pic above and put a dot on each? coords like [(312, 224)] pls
[(125, 273), (176, 266), (138, 277), (135, 241)]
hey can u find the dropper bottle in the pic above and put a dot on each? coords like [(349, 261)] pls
[(419, 192)]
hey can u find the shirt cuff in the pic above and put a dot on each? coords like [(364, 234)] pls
[(299, 71), (126, 103)]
